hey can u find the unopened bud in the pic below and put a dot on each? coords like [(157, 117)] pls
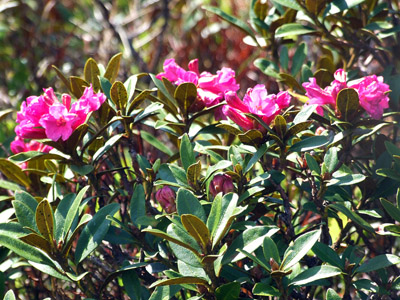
[(274, 264), (166, 197), (319, 130), (221, 183)]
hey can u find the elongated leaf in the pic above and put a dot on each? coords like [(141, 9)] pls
[(152, 140), (49, 270), (331, 159), (223, 164), (25, 215), (138, 204), (332, 295), (113, 67), (297, 128), (312, 163), (231, 19), (94, 232), (187, 203), (119, 95), (270, 250), (310, 144), (267, 67), (249, 240), (291, 29), (346, 179), (77, 86), (289, 3), (228, 291), (179, 280), (33, 156), (197, 229), (256, 157), (92, 73), (298, 58), (186, 152), (44, 220), (161, 87), (71, 210), (327, 254), (304, 114), (172, 239), (13, 172), (107, 146), (185, 94), (353, 216), (255, 259), (27, 199), (71, 236), (347, 103), (193, 173), (37, 241), (62, 77), (299, 249), (392, 210), (315, 273), (378, 262), (264, 289)]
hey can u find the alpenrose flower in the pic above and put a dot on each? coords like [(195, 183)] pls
[(210, 88), (221, 183), (258, 102), (45, 117), (372, 92)]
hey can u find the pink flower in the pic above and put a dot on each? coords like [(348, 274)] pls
[(371, 92), (221, 183), (258, 102), (210, 88), (166, 197), (18, 145), (58, 122)]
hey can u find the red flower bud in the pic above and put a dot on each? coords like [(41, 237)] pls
[(166, 197), (221, 183)]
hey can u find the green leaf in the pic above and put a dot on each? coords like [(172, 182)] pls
[(13, 172), (327, 254), (345, 179), (137, 204), (197, 229), (119, 95), (312, 163), (186, 152), (161, 87), (45, 220), (26, 199), (267, 67), (284, 58), (223, 164), (107, 146), (187, 203), (150, 110), (251, 239), (289, 3), (185, 95), (298, 58), (194, 173), (113, 67), (92, 73), (299, 249), (148, 137), (9, 295), (378, 262), (280, 126), (337, 6), (264, 289), (25, 215), (228, 291), (293, 29), (62, 77), (255, 158), (331, 159), (33, 156), (347, 103), (106, 87), (352, 216), (94, 232), (315, 273), (304, 114), (255, 259), (231, 19), (297, 128), (179, 280), (392, 210), (71, 237), (37, 241), (310, 143), (69, 207), (332, 295), (270, 250)]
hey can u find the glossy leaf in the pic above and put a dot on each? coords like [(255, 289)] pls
[(107, 146), (37, 241), (94, 232), (137, 204), (194, 172), (270, 250), (119, 95), (291, 29), (299, 249), (13, 172), (289, 3), (353, 216), (304, 114), (228, 291), (298, 58), (327, 254), (378, 262), (332, 295), (186, 152), (392, 210), (77, 86), (25, 215), (187, 203), (312, 163), (310, 143), (185, 95), (315, 273), (267, 67), (331, 159), (179, 280), (264, 289)]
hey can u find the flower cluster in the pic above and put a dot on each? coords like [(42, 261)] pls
[(372, 92), (210, 88), (258, 102), (45, 117)]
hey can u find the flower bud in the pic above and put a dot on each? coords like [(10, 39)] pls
[(221, 183), (166, 197)]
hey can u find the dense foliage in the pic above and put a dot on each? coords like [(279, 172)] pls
[(210, 182)]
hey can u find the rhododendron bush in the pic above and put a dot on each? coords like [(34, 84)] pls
[(195, 183)]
